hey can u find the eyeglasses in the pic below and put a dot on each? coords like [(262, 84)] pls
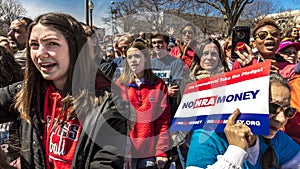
[(123, 47), (288, 111), (289, 53), (157, 42), (187, 31), (264, 34)]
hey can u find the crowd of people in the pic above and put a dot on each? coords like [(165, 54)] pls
[(67, 101)]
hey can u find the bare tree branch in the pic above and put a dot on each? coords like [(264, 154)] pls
[(211, 4), (9, 9), (230, 9)]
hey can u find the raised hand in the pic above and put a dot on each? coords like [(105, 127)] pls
[(245, 56), (173, 90), (238, 134), (171, 31)]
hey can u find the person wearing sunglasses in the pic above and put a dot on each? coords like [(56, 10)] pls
[(226, 47), (115, 45), (164, 62), (142, 37), (122, 45), (288, 50), (267, 37), (186, 47), (17, 36), (238, 147), (293, 34)]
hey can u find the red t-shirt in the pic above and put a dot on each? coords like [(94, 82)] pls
[(60, 138)]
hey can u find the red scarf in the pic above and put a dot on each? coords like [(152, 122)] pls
[(61, 138)]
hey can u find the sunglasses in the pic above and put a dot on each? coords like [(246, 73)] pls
[(288, 111), (157, 42), (187, 31), (123, 47), (264, 34), (289, 53)]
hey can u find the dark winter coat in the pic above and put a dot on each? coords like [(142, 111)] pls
[(100, 145)]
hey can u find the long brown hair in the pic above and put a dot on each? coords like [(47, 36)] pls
[(128, 75), (195, 65), (34, 84)]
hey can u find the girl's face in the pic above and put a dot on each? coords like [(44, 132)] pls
[(136, 61), (210, 57), (49, 52)]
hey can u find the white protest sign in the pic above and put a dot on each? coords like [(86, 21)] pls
[(207, 103), (163, 74)]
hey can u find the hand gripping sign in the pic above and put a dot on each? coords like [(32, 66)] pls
[(207, 103)]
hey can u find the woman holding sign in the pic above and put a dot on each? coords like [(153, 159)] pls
[(209, 60), (239, 148)]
